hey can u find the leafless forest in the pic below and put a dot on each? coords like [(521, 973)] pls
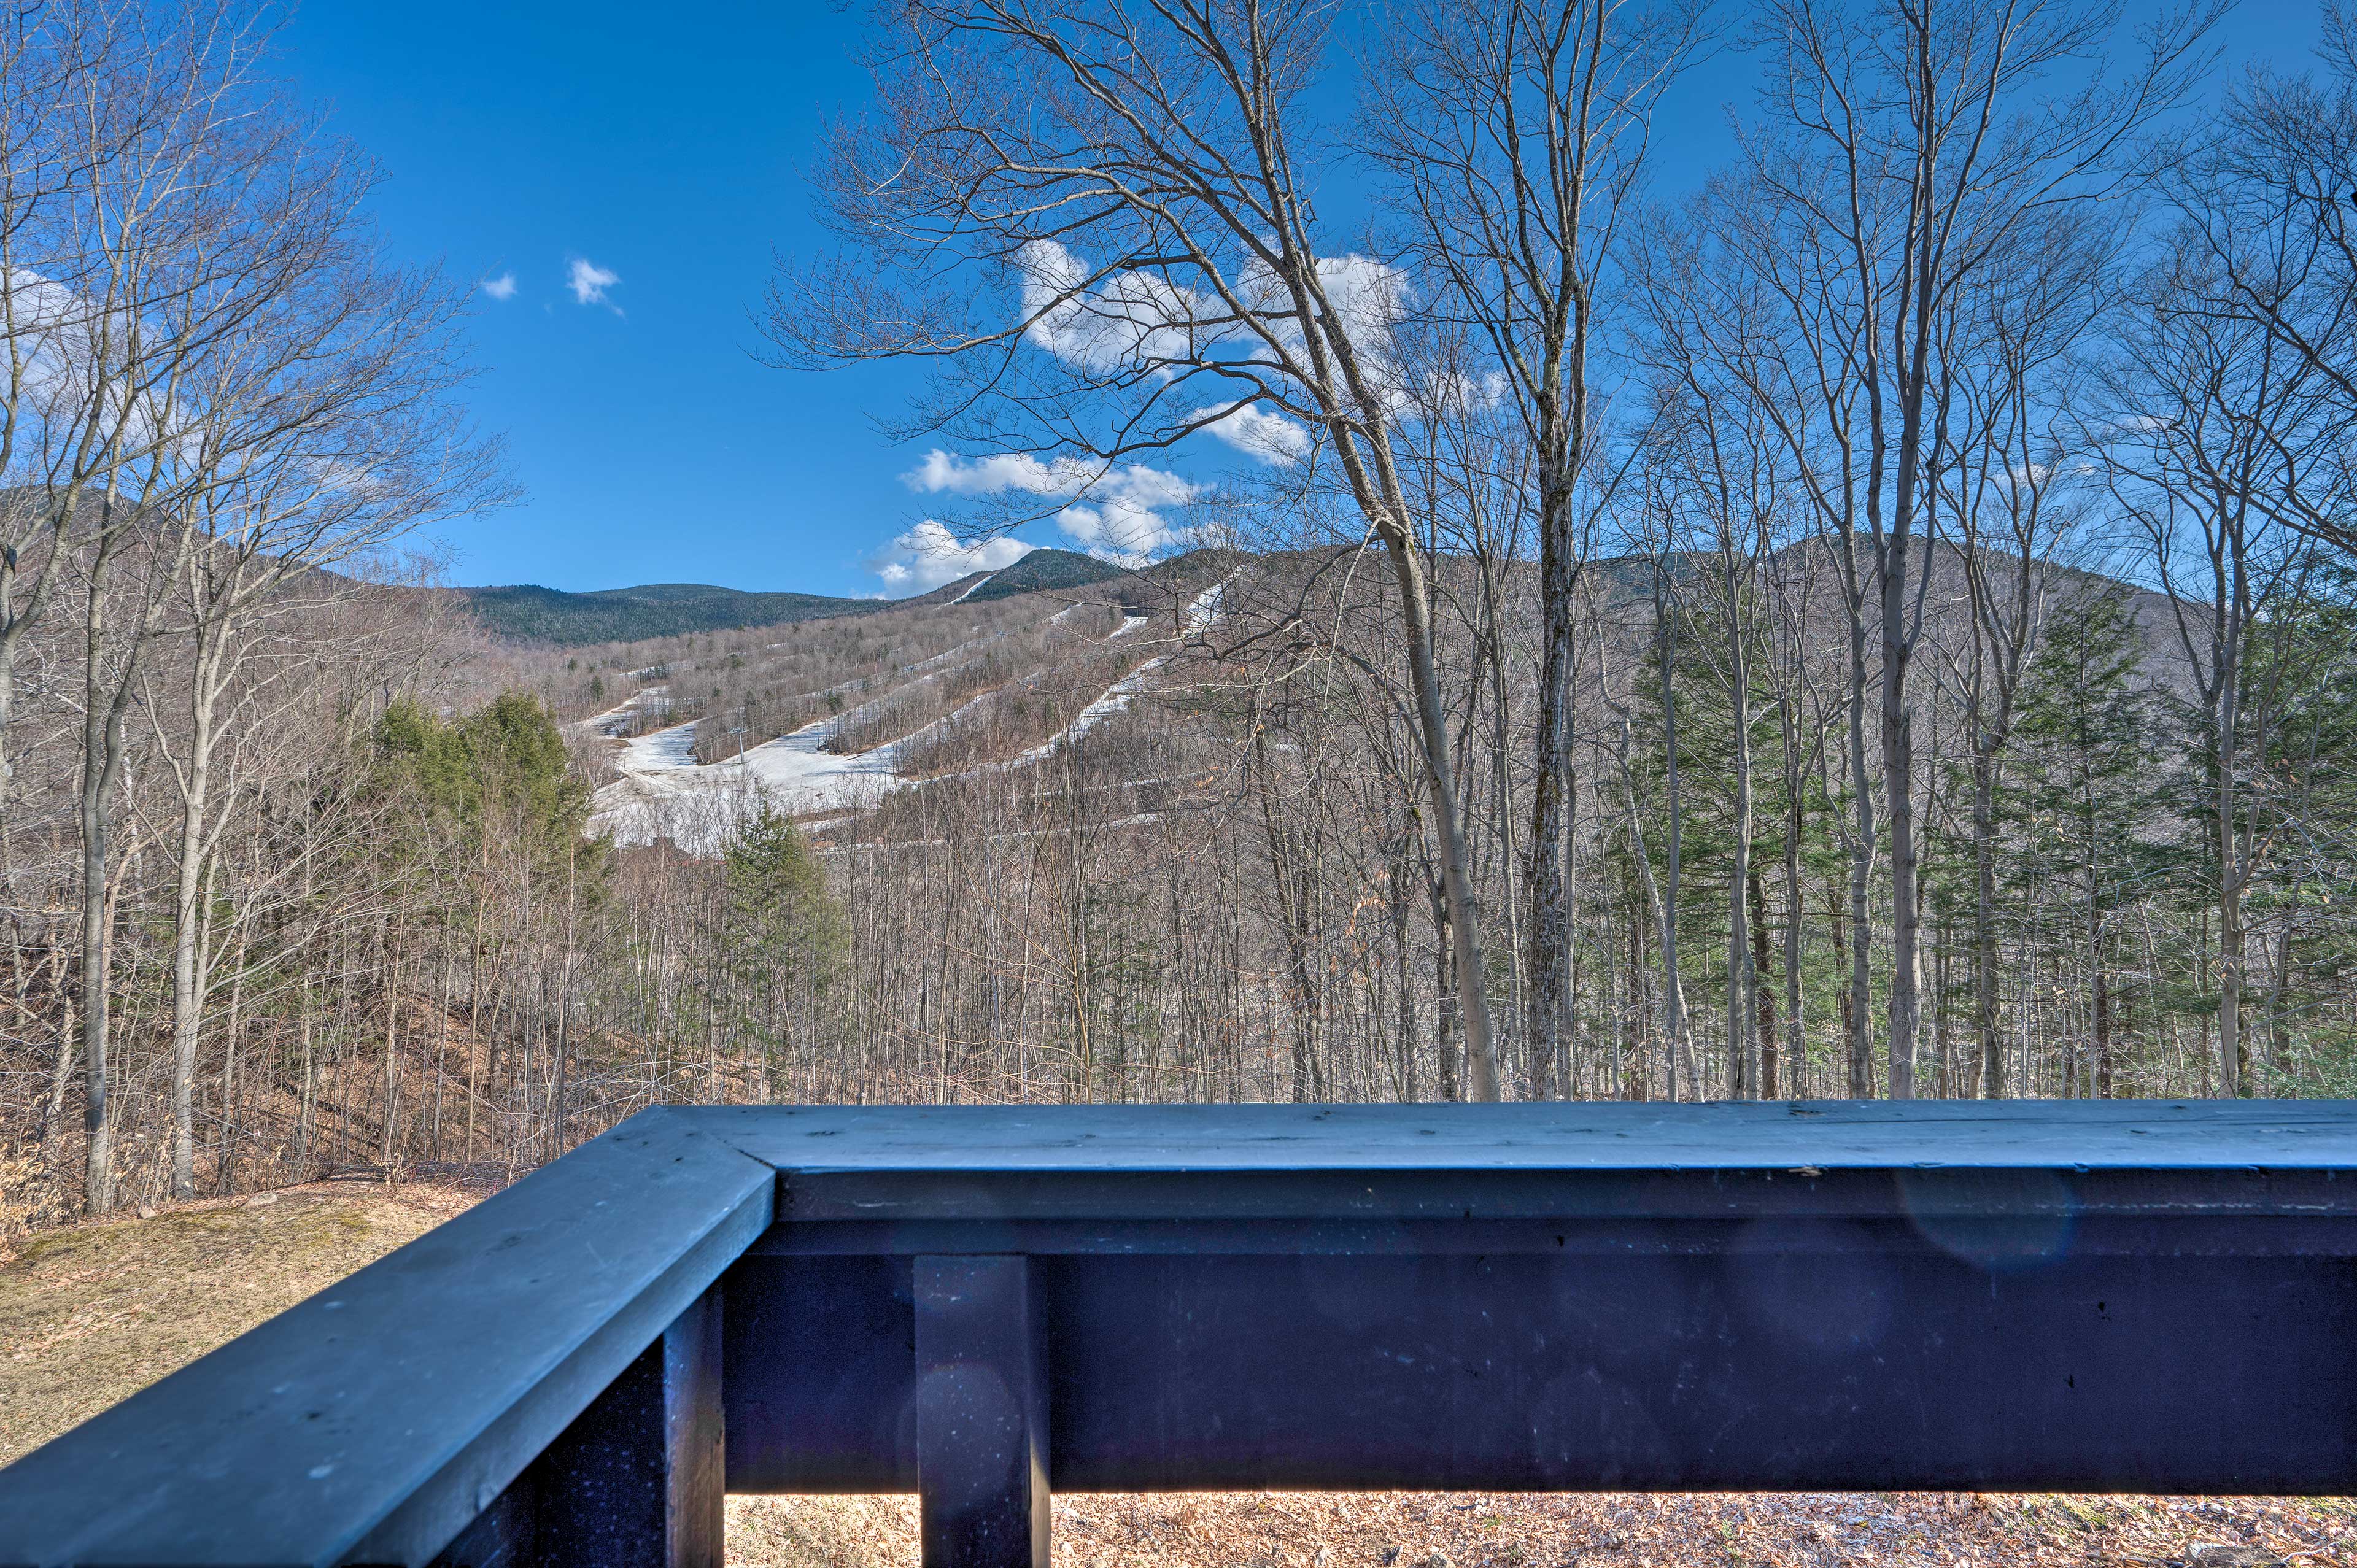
[(1877, 620)]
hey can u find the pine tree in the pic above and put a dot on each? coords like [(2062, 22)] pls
[(780, 944), (2303, 801), (2086, 776)]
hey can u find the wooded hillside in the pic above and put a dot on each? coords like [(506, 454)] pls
[(1884, 624)]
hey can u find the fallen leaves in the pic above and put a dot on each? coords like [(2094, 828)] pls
[(1412, 1530)]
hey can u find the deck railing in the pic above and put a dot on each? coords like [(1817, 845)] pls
[(977, 1304)]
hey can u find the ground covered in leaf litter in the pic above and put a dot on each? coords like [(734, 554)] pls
[(1422, 1530), (94, 1312)]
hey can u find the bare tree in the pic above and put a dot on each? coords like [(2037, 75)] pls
[(1901, 150), (160, 294), (2224, 444), (222, 317), (1722, 466), (1134, 175), (330, 437), (2007, 501), (2269, 194), (1512, 138)]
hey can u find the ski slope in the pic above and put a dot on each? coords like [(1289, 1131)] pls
[(663, 792)]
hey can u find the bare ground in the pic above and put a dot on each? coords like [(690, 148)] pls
[(91, 1314)]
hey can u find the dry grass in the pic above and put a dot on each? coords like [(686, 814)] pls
[(94, 1312)]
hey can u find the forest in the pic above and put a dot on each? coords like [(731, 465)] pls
[(1878, 618)]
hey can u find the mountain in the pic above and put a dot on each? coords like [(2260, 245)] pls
[(1042, 571), (530, 613)]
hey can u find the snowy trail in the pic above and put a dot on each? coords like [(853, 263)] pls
[(1201, 613), (1114, 700), (1204, 610), (663, 792), (624, 711), (660, 750)]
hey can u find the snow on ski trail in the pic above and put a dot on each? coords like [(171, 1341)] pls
[(1201, 613), (623, 711), (663, 792), (1206, 608), (1114, 700), (660, 750)]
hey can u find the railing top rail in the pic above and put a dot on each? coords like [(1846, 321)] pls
[(2184, 1134), (371, 1422)]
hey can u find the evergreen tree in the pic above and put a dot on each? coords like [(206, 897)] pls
[(780, 944), (1706, 750), (2304, 805), (2087, 765)]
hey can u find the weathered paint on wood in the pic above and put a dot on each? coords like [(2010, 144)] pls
[(2099, 1294), (375, 1420), (980, 1409), (1555, 1135), (636, 1481)]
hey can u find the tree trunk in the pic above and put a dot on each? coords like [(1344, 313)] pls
[(1898, 793), (102, 760), (2230, 890), (187, 919), (1457, 885), (1795, 785), (2102, 1019), (1547, 1001), (1742, 976), (1766, 997), (1985, 954), (1858, 1001)]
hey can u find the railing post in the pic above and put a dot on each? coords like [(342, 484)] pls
[(980, 1413), (636, 1481)]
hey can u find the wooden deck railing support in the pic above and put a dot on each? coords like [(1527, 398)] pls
[(637, 1477), (981, 1408), (973, 1304)]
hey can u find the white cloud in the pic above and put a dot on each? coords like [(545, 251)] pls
[(1113, 514), (945, 471), (1141, 320), (589, 282), (1119, 531), (71, 371), (500, 288), (928, 554), (1370, 296), (1135, 319), (1262, 434)]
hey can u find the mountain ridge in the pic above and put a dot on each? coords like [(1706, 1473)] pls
[(529, 612)]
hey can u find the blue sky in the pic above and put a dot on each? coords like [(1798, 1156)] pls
[(667, 147)]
